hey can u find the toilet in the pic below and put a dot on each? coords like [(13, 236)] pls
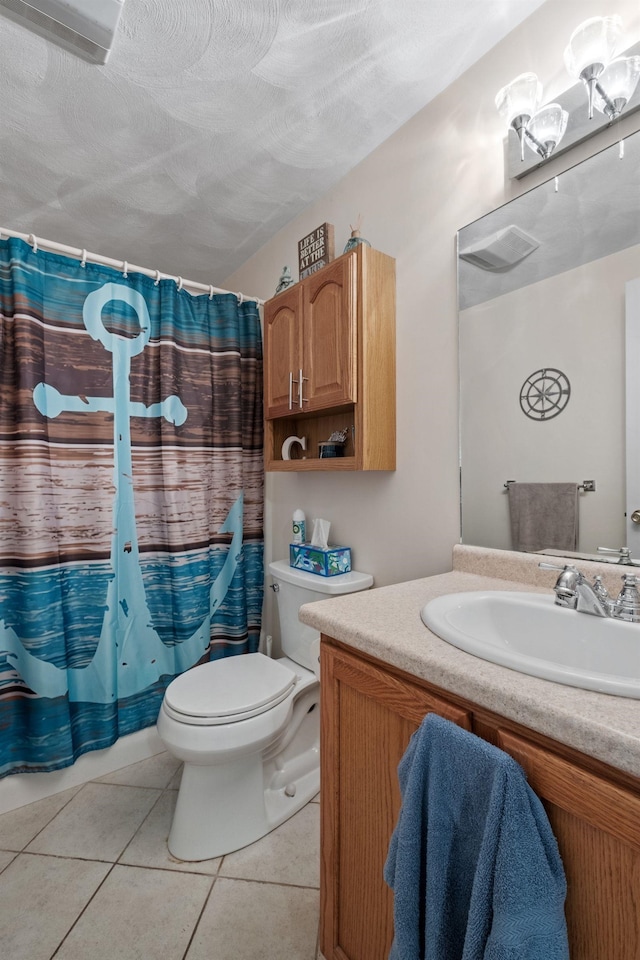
[(248, 729)]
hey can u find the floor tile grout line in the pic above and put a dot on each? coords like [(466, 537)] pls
[(15, 853), (270, 883), (242, 880), (53, 816), (141, 824), (84, 909), (200, 915), (111, 863)]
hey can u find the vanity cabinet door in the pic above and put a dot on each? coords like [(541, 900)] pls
[(367, 718), (597, 826)]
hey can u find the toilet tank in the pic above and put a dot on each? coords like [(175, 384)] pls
[(296, 587)]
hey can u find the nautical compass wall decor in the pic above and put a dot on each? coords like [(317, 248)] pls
[(545, 394)]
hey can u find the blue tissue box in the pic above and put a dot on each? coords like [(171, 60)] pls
[(326, 563)]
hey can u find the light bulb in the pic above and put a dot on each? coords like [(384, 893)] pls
[(593, 42), (591, 48), (546, 129), (616, 85), (518, 101), (520, 97)]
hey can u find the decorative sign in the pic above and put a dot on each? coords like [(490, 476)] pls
[(545, 394), (316, 250)]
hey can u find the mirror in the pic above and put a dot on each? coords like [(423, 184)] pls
[(542, 346)]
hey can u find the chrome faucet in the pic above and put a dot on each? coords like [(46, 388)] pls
[(573, 591)]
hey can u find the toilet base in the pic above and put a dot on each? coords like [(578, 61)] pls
[(226, 806), (216, 811)]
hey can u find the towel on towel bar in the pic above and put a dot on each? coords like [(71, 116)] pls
[(473, 862), (543, 516)]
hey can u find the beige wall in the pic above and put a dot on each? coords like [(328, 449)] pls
[(441, 170)]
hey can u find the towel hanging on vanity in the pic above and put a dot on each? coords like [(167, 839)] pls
[(473, 862), (543, 516)]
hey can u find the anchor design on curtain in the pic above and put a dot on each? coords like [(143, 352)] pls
[(131, 498), (127, 615)]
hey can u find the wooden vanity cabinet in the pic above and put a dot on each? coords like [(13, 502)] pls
[(369, 711), (329, 364)]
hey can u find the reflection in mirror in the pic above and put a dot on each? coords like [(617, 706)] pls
[(543, 285)]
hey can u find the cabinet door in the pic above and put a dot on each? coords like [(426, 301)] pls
[(282, 352), (367, 718), (597, 826), (329, 336)]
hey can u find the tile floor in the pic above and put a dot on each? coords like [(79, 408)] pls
[(86, 875)]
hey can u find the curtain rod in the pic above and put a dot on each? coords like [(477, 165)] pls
[(123, 265)]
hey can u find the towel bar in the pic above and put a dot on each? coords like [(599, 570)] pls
[(588, 486)]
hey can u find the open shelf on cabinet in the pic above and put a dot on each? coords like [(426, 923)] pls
[(315, 430)]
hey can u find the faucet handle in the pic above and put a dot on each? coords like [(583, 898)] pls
[(569, 575), (623, 552), (627, 606), (600, 590)]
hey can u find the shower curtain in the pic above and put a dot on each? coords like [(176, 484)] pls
[(131, 497)]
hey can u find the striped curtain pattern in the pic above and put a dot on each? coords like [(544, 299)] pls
[(131, 498)]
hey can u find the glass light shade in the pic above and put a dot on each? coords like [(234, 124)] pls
[(618, 82), (546, 129), (593, 42), (520, 98)]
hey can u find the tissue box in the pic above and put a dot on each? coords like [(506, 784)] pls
[(326, 563)]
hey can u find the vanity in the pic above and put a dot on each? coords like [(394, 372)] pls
[(383, 670)]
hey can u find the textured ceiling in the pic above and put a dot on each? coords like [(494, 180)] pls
[(215, 122)]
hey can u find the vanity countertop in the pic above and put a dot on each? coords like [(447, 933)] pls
[(385, 623)]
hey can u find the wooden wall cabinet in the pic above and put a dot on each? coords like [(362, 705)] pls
[(329, 364), (369, 711)]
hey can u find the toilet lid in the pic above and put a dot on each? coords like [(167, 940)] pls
[(233, 688)]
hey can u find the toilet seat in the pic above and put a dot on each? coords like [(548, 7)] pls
[(228, 690)]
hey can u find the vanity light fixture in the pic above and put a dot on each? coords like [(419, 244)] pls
[(590, 56), (610, 81), (518, 104)]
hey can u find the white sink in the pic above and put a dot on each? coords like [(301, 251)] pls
[(529, 633)]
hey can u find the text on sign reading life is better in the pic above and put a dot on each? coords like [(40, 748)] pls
[(315, 250)]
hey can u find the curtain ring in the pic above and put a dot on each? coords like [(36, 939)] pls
[(157, 279), (83, 262), (211, 291), (179, 284), (240, 298), (33, 240), (125, 268)]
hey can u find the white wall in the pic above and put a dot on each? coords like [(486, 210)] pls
[(440, 171)]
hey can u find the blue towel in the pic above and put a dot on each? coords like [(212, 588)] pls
[(473, 862)]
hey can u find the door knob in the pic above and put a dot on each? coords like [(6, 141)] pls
[(635, 516)]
